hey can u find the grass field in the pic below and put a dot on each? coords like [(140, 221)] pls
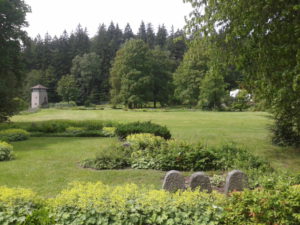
[(47, 165)]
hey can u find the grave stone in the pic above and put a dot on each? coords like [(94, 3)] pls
[(202, 180), (173, 181), (236, 180)]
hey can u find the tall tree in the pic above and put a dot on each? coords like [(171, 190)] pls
[(150, 40), (128, 34), (131, 75), (79, 41), (67, 88), (161, 70), (188, 76), (262, 41), (87, 71), (161, 36), (142, 33), (12, 20)]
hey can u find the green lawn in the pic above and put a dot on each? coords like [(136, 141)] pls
[(47, 165)]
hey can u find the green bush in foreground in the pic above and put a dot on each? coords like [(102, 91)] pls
[(123, 130), (88, 204), (13, 135), (6, 151)]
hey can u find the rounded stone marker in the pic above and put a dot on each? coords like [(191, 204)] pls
[(173, 181), (202, 180), (236, 180)]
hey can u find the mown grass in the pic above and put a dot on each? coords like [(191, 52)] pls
[(47, 165)]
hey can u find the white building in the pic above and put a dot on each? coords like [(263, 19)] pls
[(39, 96)]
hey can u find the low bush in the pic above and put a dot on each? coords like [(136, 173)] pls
[(16, 205), (6, 151), (111, 158), (13, 135), (142, 141), (88, 203), (123, 130), (109, 131)]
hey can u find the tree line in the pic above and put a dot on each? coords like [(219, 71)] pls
[(85, 63)]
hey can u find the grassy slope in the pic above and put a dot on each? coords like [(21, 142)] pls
[(47, 165)]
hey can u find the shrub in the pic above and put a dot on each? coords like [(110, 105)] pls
[(110, 158), (109, 131), (13, 135), (123, 130), (132, 205), (16, 205), (6, 151), (144, 140)]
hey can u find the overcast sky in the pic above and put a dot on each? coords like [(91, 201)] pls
[(54, 16)]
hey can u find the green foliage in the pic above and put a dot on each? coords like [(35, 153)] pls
[(123, 130), (87, 72), (109, 131), (129, 204), (130, 74), (13, 15), (112, 157), (6, 151), (263, 44), (13, 135), (57, 126), (259, 206), (212, 90), (188, 76), (67, 88), (16, 205), (88, 203), (145, 140)]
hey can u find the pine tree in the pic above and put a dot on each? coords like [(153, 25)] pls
[(142, 34), (150, 40), (128, 34), (161, 36)]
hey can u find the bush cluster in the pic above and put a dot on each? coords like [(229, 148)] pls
[(123, 130), (13, 135), (147, 151), (6, 151), (87, 203)]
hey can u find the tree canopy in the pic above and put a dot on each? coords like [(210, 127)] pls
[(261, 39), (12, 20)]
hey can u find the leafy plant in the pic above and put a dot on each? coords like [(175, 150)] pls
[(13, 135), (6, 151)]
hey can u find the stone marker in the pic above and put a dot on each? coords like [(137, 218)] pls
[(236, 180), (202, 180), (173, 181)]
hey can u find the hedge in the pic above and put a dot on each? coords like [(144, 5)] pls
[(87, 203)]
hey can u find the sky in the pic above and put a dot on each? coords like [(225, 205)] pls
[(55, 16)]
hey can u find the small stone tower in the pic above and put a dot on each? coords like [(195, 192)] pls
[(39, 96)]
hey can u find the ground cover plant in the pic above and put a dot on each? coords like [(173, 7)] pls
[(88, 203)]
